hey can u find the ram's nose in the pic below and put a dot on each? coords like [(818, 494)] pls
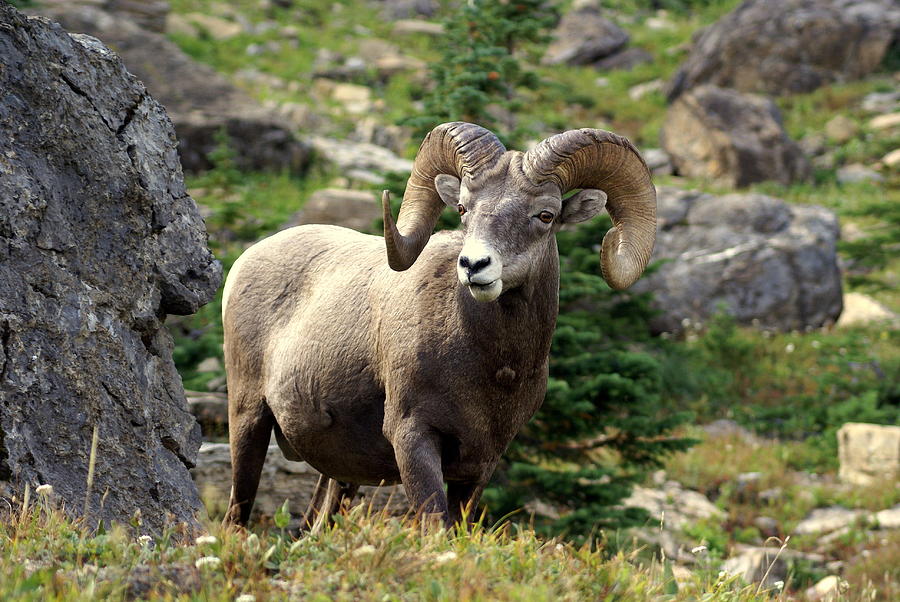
[(473, 267)]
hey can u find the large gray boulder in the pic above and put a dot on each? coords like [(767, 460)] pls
[(200, 102), (790, 46), (98, 242), (731, 138), (758, 258)]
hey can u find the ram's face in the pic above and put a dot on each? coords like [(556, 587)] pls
[(509, 227)]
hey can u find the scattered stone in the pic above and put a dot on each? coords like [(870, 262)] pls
[(758, 565), (673, 505), (813, 144), (403, 27), (860, 309), (772, 495), (200, 102), (724, 427), (770, 264), (100, 241), (884, 122), (626, 60), (881, 102), (355, 99), (888, 519), (841, 129), (732, 138), (641, 90), (824, 520), (211, 412), (658, 161), (892, 159), (281, 480), (856, 172), (868, 453), (790, 47), (404, 9), (216, 27), (584, 37), (360, 161), (210, 364), (829, 589), (147, 14), (354, 209), (768, 526), (177, 24)]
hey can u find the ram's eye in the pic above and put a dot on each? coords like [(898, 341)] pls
[(545, 216), (461, 209)]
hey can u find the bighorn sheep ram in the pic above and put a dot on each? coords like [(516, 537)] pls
[(423, 368)]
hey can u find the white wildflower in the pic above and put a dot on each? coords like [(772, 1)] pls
[(789, 348), (206, 540), (779, 585), (208, 562), (816, 344), (245, 598), (445, 557), (45, 490), (252, 543), (698, 550), (145, 540), (365, 550)]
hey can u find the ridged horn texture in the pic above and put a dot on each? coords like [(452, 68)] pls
[(589, 158), (458, 149)]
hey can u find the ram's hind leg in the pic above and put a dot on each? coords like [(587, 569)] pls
[(250, 424), (326, 500)]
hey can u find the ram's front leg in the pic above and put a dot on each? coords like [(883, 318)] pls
[(418, 454)]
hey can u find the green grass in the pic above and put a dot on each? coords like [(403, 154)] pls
[(45, 556)]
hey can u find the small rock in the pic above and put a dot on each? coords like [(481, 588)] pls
[(673, 505), (812, 144), (768, 526), (414, 26), (892, 159), (210, 364), (889, 519), (349, 208), (727, 428), (584, 37), (177, 24), (823, 520), (658, 161), (218, 384), (863, 309), (639, 91), (217, 28), (625, 60), (869, 453), (757, 565), (883, 122), (828, 589), (841, 129), (881, 102), (771, 495), (355, 99), (856, 172)]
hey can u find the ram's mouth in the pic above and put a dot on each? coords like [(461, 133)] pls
[(487, 291)]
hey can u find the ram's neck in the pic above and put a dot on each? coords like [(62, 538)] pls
[(519, 325)]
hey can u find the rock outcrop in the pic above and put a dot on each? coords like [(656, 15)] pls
[(790, 46), (732, 138), (756, 257), (98, 242), (200, 102)]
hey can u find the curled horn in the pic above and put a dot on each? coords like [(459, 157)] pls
[(589, 158), (459, 149)]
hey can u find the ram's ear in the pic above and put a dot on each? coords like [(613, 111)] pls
[(447, 187), (583, 206)]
